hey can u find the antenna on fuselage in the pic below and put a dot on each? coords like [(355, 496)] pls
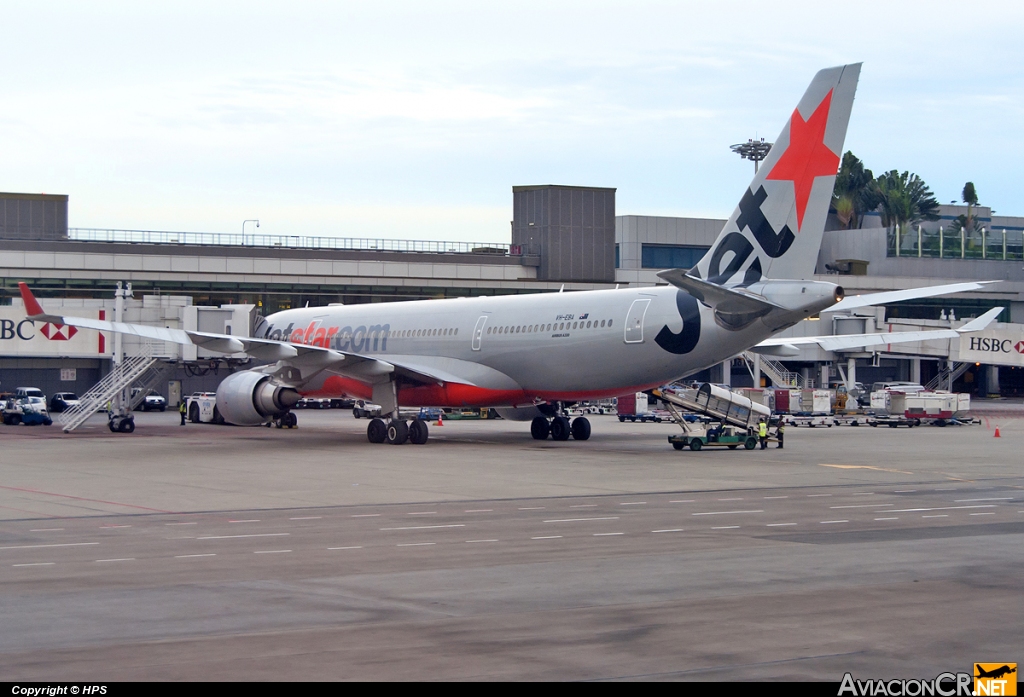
[(562, 288)]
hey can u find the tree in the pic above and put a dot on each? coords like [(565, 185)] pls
[(968, 223), (905, 199), (855, 192)]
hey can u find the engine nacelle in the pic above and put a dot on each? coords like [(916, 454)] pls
[(251, 399)]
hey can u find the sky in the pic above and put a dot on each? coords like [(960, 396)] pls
[(414, 120)]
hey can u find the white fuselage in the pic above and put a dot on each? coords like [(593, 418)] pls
[(518, 350)]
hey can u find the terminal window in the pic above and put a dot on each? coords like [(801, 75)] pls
[(665, 256)]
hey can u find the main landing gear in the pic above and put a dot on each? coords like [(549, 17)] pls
[(398, 431), (559, 428)]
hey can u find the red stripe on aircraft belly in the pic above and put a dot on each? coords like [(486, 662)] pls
[(454, 394)]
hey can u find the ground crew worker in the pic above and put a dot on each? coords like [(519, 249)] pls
[(762, 433), (780, 432), (181, 410)]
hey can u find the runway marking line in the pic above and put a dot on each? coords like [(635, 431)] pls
[(232, 537), (940, 515), (815, 496), (480, 510), (584, 505), (533, 508), (579, 520), (829, 522), (607, 534), (938, 508), (904, 491), (356, 547), (309, 517), (272, 551), (181, 523), (726, 527), (682, 501), (82, 498), (863, 493), (669, 530), (634, 503), (38, 563), (244, 521), (1005, 498), (727, 512), (193, 556), (893, 518), (123, 559), (739, 499), (468, 541), (422, 513), (416, 544), (46, 529), (990, 513), (866, 505), (63, 544), (547, 537), (366, 515), (426, 527), (776, 497), (102, 527), (864, 467), (778, 525)]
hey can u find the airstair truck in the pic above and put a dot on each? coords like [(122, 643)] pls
[(732, 418)]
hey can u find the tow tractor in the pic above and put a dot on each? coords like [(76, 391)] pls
[(732, 423)]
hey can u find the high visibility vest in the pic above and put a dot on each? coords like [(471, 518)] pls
[(763, 430)]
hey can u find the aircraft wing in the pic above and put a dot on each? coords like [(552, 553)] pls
[(840, 342), (892, 296), (308, 360)]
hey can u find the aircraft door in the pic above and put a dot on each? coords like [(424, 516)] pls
[(634, 332), (478, 332)]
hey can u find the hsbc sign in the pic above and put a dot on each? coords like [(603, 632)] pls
[(997, 347), (24, 338)]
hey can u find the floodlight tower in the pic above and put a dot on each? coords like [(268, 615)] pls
[(755, 150)]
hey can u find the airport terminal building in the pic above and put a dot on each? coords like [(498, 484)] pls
[(562, 237)]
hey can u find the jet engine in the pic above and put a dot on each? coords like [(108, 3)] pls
[(251, 399)]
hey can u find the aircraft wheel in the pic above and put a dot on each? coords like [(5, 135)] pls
[(540, 429), (193, 413), (560, 429), (127, 426), (377, 431), (580, 429), (696, 444), (677, 445), (398, 432), (112, 427), (418, 432), (750, 443), (291, 420)]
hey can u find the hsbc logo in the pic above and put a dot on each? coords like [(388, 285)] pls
[(9, 329), (57, 332), (1019, 347), (984, 343)]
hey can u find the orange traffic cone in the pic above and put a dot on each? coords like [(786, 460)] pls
[(997, 432), (440, 416)]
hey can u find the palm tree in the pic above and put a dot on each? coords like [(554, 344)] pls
[(905, 199), (855, 192), (967, 223)]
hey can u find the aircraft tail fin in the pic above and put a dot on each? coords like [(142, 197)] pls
[(775, 231)]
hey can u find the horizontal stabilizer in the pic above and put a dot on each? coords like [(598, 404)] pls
[(724, 300)]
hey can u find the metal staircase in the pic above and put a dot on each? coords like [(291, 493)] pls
[(147, 383), (944, 380), (777, 372), (123, 375)]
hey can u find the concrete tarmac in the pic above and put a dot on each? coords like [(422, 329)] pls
[(221, 553)]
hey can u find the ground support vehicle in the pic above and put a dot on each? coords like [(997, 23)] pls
[(892, 421), (154, 402), (856, 419), (731, 423), (365, 410), (808, 420), (30, 411), (201, 407)]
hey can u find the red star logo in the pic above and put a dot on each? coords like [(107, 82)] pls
[(807, 156)]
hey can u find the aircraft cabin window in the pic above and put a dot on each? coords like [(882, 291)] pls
[(456, 331), (609, 323), (602, 323)]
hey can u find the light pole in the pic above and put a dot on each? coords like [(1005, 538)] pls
[(251, 220), (755, 150)]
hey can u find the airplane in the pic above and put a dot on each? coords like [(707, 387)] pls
[(527, 356), (995, 673)]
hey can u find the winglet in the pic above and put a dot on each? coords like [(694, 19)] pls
[(976, 325), (32, 305)]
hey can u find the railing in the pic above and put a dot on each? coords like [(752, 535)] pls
[(997, 244), (775, 370), (288, 241), (123, 375)]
